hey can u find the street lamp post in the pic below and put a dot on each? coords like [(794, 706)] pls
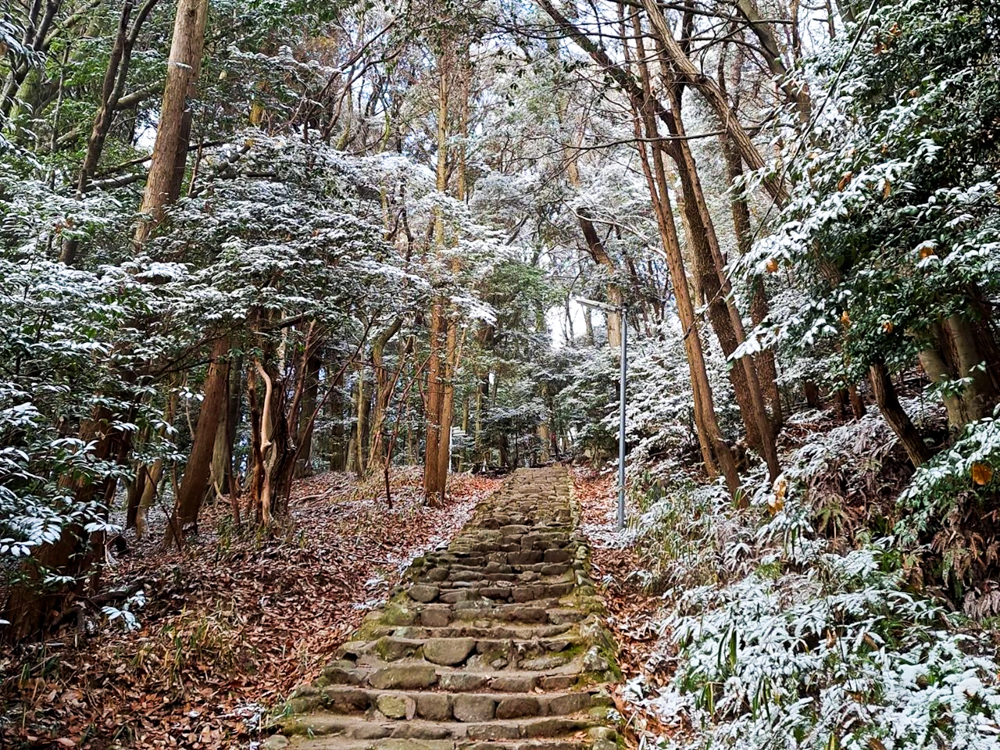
[(621, 421)]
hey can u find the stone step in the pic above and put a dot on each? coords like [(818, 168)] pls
[(550, 611), (426, 593), (445, 706), (366, 728), (454, 652), (339, 743), (419, 675), (483, 630)]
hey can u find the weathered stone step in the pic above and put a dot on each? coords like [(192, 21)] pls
[(339, 743), (417, 675), (438, 615), (484, 630), (425, 593), (365, 728), (443, 706), (453, 651)]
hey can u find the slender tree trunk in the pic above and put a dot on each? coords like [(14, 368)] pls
[(898, 419), (198, 469), (766, 368), (304, 466), (734, 332), (705, 417), (714, 96)]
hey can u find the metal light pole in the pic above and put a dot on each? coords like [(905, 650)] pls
[(621, 420), (622, 309)]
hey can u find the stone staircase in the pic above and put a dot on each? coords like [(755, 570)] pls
[(494, 644)]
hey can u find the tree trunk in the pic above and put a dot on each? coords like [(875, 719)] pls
[(304, 466), (705, 417), (29, 602), (385, 384), (164, 182), (434, 482), (689, 73), (899, 420), (734, 333), (766, 368), (196, 473)]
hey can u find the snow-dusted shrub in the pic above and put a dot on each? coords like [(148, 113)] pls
[(838, 657), (693, 535), (950, 504)]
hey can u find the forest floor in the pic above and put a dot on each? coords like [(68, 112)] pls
[(230, 624), (631, 609)]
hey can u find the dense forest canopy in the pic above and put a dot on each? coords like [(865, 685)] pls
[(244, 243)]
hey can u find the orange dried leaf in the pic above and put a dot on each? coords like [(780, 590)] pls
[(887, 189), (845, 180), (845, 318), (981, 474), (772, 266)]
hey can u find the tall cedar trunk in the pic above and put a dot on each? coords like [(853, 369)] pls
[(433, 408), (736, 334), (304, 466), (710, 435), (166, 170), (767, 371), (452, 351), (450, 366), (689, 73), (434, 482), (196, 473), (899, 420)]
